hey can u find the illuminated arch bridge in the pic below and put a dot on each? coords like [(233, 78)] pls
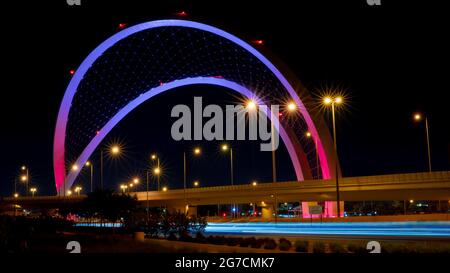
[(147, 59)]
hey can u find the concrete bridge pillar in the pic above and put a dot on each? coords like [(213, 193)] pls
[(267, 212)]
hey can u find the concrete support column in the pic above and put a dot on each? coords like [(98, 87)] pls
[(267, 212)]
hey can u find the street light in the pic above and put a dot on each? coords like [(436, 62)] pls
[(156, 170), (309, 135), (25, 177), (196, 183), (16, 195), (164, 188), (74, 167), (418, 117), (333, 101), (91, 167), (78, 190), (291, 107), (197, 152), (254, 183), (123, 188), (33, 191), (114, 150), (251, 105)]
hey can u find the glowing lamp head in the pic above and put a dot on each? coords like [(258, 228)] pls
[(224, 147), (157, 171), (308, 134), (254, 183), (411, 201), (88, 163), (74, 167), (291, 107), (115, 150), (69, 192), (136, 180), (153, 156), (23, 168), (196, 183), (16, 195), (72, 71), (164, 188), (251, 105), (338, 100), (417, 117), (197, 151), (327, 100), (23, 178)]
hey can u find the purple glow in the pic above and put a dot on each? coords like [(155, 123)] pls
[(90, 148), (60, 130)]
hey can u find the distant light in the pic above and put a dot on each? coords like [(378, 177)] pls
[(16, 195), (23, 178), (308, 134), (411, 201), (417, 116), (280, 114), (88, 163), (72, 71), (115, 149), (258, 42), (153, 156), (97, 132), (164, 188), (327, 100), (157, 171), (224, 214), (136, 180), (197, 151), (122, 25), (224, 147), (196, 183), (23, 168), (254, 183), (74, 167), (338, 100), (69, 193), (251, 105), (291, 106), (234, 209)]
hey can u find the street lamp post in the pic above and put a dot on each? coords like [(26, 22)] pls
[(197, 152), (418, 117), (114, 150), (333, 102), (26, 178), (33, 191), (91, 167)]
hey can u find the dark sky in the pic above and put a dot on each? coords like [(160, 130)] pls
[(390, 59)]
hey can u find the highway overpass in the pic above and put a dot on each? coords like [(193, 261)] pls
[(416, 186)]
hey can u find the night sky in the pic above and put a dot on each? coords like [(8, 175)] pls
[(391, 60)]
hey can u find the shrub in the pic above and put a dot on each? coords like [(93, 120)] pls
[(301, 246), (199, 237), (270, 244), (319, 247), (185, 237), (337, 248), (257, 243), (285, 244), (232, 241), (356, 248), (247, 242), (172, 237)]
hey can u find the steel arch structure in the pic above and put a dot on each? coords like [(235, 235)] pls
[(65, 178)]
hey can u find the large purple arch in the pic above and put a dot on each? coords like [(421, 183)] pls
[(60, 131)]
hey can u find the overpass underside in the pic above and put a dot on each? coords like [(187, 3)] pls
[(420, 186)]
